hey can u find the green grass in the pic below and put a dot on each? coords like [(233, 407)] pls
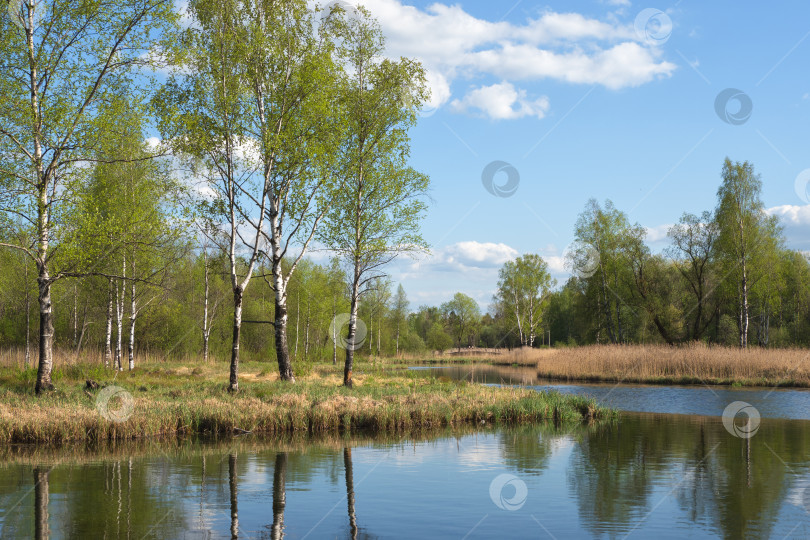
[(192, 399)]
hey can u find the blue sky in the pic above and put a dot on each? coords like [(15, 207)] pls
[(593, 99)]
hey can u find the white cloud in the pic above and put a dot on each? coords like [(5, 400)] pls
[(796, 222), (791, 215), (502, 102), (556, 265), (470, 267), (624, 64), (476, 263), (439, 89), (567, 47), (185, 15), (470, 255), (453, 44), (657, 233)]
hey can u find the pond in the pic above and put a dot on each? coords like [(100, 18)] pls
[(649, 475), (695, 399)]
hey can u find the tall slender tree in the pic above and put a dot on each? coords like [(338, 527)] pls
[(400, 314), (61, 65), (524, 285), (603, 266), (291, 76), (380, 200), (203, 114), (126, 218), (747, 236)]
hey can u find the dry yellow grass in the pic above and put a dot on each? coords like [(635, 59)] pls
[(167, 399), (689, 364), (468, 355), (15, 357)]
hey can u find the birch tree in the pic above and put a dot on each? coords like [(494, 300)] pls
[(607, 273), (337, 286), (379, 203), (211, 300), (400, 315), (291, 75), (523, 285), (202, 111), (747, 237), (126, 223), (60, 64)]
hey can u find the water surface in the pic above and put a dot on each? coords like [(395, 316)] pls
[(659, 476), (694, 399)]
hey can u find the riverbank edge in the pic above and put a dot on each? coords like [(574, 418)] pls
[(688, 365), (680, 380), (381, 404)]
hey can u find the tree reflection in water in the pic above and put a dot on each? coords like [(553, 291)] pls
[(279, 495), (643, 470), (41, 497)]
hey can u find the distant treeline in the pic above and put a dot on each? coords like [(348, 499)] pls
[(723, 271)]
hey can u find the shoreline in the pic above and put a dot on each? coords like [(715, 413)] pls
[(684, 365), (684, 381), (677, 381), (157, 402)]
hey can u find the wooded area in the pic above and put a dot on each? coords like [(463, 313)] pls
[(281, 126), (285, 129)]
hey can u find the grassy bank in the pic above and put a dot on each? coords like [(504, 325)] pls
[(690, 364), (187, 446), (166, 400)]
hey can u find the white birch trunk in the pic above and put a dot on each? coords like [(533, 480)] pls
[(133, 314), (27, 319), (306, 335), (297, 319), (205, 330), (108, 330), (120, 293)]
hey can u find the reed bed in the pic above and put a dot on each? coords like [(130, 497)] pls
[(192, 399), (525, 356), (15, 357), (689, 364)]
